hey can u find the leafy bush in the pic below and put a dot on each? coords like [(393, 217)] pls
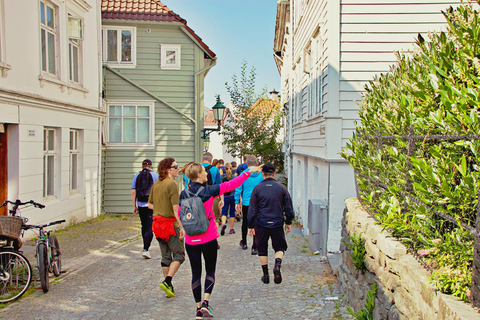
[(367, 312), (434, 90), (357, 246)]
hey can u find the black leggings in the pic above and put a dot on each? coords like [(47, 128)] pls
[(194, 252), (245, 227)]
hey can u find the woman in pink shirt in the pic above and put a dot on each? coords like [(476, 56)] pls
[(206, 244)]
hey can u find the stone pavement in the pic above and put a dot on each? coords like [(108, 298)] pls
[(106, 278)]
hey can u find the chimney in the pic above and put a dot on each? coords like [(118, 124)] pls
[(274, 95)]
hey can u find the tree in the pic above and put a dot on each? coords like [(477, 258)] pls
[(252, 129)]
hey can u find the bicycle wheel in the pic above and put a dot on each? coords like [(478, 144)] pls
[(56, 255), (15, 275), (42, 264)]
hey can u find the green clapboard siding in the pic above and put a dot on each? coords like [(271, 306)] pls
[(174, 135)]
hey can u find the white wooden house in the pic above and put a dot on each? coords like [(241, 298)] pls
[(326, 51), (49, 106)]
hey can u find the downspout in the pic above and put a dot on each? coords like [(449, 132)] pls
[(197, 133), (100, 104)]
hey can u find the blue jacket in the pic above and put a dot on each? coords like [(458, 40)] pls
[(216, 177), (241, 168), (245, 190)]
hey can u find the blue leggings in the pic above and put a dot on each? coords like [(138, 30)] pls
[(229, 206)]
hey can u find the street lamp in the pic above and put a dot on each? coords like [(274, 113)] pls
[(206, 143), (218, 113)]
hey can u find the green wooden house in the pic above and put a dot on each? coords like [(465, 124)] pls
[(154, 67)]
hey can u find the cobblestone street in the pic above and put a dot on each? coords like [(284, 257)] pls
[(115, 282)]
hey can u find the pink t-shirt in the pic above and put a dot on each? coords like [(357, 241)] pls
[(212, 232)]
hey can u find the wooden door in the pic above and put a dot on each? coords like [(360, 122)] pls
[(3, 170)]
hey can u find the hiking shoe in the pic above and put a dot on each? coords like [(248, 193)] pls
[(277, 276), (199, 315), (223, 230), (146, 254), (232, 231), (266, 279), (169, 292), (206, 310), (254, 251)]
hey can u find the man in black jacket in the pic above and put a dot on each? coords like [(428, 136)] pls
[(270, 208)]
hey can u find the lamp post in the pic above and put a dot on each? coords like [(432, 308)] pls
[(218, 113), (206, 143)]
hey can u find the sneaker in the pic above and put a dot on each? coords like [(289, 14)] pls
[(169, 292), (266, 279), (241, 243), (206, 310), (199, 315), (237, 217), (254, 251), (277, 275), (232, 231), (223, 230), (146, 254), (244, 247)]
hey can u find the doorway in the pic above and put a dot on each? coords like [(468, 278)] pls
[(3, 169)]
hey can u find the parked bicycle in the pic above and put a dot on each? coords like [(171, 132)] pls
[(15, 270)]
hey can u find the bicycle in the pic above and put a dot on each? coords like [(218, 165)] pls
[(47, 251)]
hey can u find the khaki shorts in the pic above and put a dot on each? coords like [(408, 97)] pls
[(172, 250), (217, 211)]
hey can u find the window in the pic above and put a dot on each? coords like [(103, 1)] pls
[(170, 56), (49, 158), (130, 123), (75, 33), (119, 46), (48, 35), (74, 159)]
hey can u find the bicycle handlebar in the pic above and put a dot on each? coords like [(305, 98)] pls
[(31, 226), (18, 203)]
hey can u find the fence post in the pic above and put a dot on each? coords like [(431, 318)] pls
[(475, 291), (411, 152)]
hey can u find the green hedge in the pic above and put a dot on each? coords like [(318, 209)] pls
[(435, 90)]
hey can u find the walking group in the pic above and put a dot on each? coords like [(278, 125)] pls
[(190, 221)]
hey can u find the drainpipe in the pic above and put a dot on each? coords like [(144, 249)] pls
[(197, 133), (100, 100)]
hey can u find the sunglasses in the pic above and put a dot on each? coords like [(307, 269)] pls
[(174, 167)]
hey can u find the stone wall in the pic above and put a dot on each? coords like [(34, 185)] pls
[(403, 291)]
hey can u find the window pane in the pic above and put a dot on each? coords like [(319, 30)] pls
[(50, 17), (126, 45), (129, 111), (50, 140), (73, 172), (129, 130), (115, 111), (143, 130), (50, 174), (142, 111), (51, 53), (75, 64), (42, 12), (44, 50), (171, 57), (115, 130), (111, 45), (72, 140)]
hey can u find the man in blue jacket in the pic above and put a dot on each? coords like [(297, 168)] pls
[(270, 207), (245, 191)]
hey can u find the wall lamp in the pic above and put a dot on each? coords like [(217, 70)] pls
[(218, 113)]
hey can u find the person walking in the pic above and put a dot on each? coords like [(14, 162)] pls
[(245, 191), (221, 168), (243, 166), (206, 244), (270, 208), (167, 227), (213, 178), (229, 203), (143, 181)]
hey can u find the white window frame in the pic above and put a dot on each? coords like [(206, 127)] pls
[(75, 41), (49, 30), (4, 67), (74, 160), (165, 62), (49, 154), (118, 63), (136, 103)]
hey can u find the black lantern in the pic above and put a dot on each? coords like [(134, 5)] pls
[(219, 113)]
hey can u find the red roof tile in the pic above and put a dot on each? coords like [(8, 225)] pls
[(210, 118), (146, 10)]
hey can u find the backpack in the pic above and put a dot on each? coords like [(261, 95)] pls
[(192, 214), (209, 175), (143, 185)]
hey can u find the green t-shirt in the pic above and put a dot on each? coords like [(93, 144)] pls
[(164, 195)]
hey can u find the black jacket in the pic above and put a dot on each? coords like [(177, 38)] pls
[(268, 203)]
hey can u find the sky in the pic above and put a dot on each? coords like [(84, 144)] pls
[(234, 31)]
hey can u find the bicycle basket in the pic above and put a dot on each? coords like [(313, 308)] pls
[(10, 227)]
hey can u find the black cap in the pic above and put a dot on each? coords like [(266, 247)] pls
[(268, 168), (147, 162)]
